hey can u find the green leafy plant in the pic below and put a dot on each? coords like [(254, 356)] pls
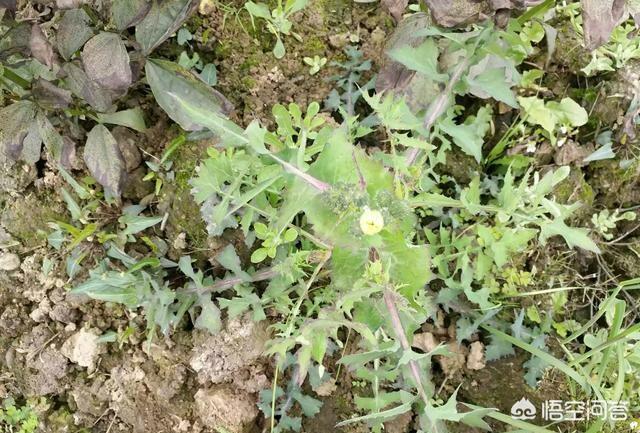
[(73, 88), (316, 63), (17, 419), (277, 20)]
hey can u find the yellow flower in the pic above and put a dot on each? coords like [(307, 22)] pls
[(371, 221)]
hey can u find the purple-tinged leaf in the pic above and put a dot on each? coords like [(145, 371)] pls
[(79, 83), (40, 47), (395, 7), (600, 17), (74, 30), (106, 61), (128, 13), (104, 160), (162, 21)]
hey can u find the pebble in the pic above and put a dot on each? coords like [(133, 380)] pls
[(9, 262)]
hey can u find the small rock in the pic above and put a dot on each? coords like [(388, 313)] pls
[(475, 359), (82, 348), (9, 262), (223, 407), (128, 148), (425, 341), (180, 242)]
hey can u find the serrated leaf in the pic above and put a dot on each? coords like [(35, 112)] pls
[(162, 20), (185, 98), (574, 237), (469, 136), (104, 160), (73, 31), (127, 13), (498, 348), (209, 317), (106, 61), (230, 260), (422, 59)]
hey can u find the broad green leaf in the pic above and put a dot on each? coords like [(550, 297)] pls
[(74, 30), (127, 13), (537, 113), (137, 223), (278, 49), (409, 264), (106, 61), (258, 10), (162, 20), (104, 160), (132, 118), (492, 82), (187, 99), (570, 112), (422, 59)]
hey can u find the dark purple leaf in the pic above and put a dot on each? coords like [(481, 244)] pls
[(40, 47), (128, 13), (68, 157), (104, 160), (74, 30), (10, 5), (16, 120), (453, 13), (50, 95), (106, 61), (79, 83), (600, 17), (162, 21)]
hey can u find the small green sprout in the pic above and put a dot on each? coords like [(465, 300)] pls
[(278, 22), (316, 63)]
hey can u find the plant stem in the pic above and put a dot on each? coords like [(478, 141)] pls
[(218, 286), (437, 107), (389, 301)]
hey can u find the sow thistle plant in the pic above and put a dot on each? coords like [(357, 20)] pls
[(312, 192)]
